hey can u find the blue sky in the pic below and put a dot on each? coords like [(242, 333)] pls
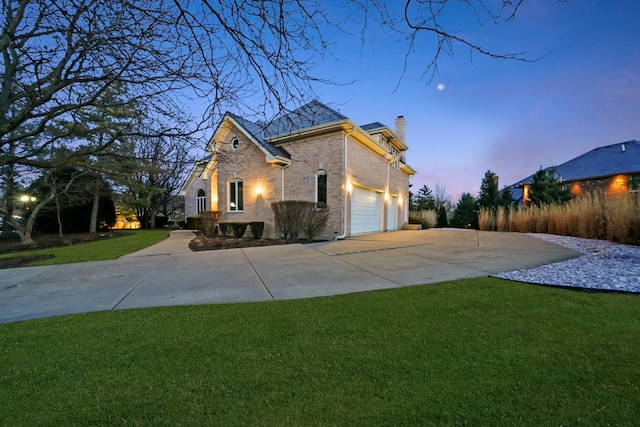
[(508, 116)]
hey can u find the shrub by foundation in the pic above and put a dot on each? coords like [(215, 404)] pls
[(288, 215), (314, 219), (225, 229), (257, 228), (193, 223), (296, 216), (209, 221), (239, 229)]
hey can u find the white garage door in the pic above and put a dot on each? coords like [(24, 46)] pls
[(365, 211), (392, 214)]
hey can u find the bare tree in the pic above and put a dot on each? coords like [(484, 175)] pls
[(150, 175), (437, 23), (61, 60)]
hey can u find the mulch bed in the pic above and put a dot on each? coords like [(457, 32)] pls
[(215, 242)]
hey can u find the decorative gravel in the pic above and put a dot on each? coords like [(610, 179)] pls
[(604, 265)]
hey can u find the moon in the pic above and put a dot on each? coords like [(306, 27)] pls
[(440, 86)]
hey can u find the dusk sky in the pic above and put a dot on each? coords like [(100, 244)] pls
[(508, 116)]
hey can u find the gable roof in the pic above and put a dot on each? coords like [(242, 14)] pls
[(258, 132), (620, 158)]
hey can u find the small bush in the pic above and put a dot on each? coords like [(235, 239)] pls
[(193, 223), (225, 229), (295, 216), (209, 221), (418, 220), (288, 214), (314, 219), (429, 215), (239, 229), (257, 228)]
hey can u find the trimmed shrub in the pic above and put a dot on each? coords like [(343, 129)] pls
[(418, 220), (288, 214), (225, 229), (257, 228), (314, 219), (239, 229), (296, 216), (209, 221), (193, 223)]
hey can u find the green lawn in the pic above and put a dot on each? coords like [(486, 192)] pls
[(473, 352), (110, 248)]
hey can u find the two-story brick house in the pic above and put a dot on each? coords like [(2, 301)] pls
[(313, 153)]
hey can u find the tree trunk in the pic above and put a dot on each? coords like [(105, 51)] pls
[(58, 216), (9, 196), (93, 226)]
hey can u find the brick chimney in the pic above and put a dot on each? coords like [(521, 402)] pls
[(401, 129)]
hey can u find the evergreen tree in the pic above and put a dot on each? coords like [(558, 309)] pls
[(424, 199), (506, 197), (489, 195), (442, 217), (546, 188), (466, 213)]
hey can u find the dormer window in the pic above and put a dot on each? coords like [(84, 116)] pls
[(235, 143)]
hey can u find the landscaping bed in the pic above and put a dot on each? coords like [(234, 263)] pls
[(215, 242)]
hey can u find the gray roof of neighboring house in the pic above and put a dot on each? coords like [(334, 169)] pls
[(312, 114), (620, 158)]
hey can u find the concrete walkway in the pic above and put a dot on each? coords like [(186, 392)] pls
[(168, 273)]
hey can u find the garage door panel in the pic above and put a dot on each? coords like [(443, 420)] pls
[(365, 211), (392, 214)]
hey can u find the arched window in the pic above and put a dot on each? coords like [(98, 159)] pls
[(235, 143), (201, 201), (235, 195), (321, 187)]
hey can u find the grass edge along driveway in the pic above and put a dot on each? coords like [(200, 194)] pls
[(99, 250), (472, 352)]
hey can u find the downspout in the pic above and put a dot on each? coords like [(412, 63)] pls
[(344, 185), (387, 199), (282, 189)]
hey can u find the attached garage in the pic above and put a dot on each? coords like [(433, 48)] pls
[(392, 214), (366, 209)]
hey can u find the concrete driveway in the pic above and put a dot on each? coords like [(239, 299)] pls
[(170, 274)]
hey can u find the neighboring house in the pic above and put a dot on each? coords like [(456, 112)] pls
[(613, 169), (313, 153)]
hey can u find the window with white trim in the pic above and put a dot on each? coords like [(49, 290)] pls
[(235, 143), (321, 187), (235, 196), (201, 201)]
